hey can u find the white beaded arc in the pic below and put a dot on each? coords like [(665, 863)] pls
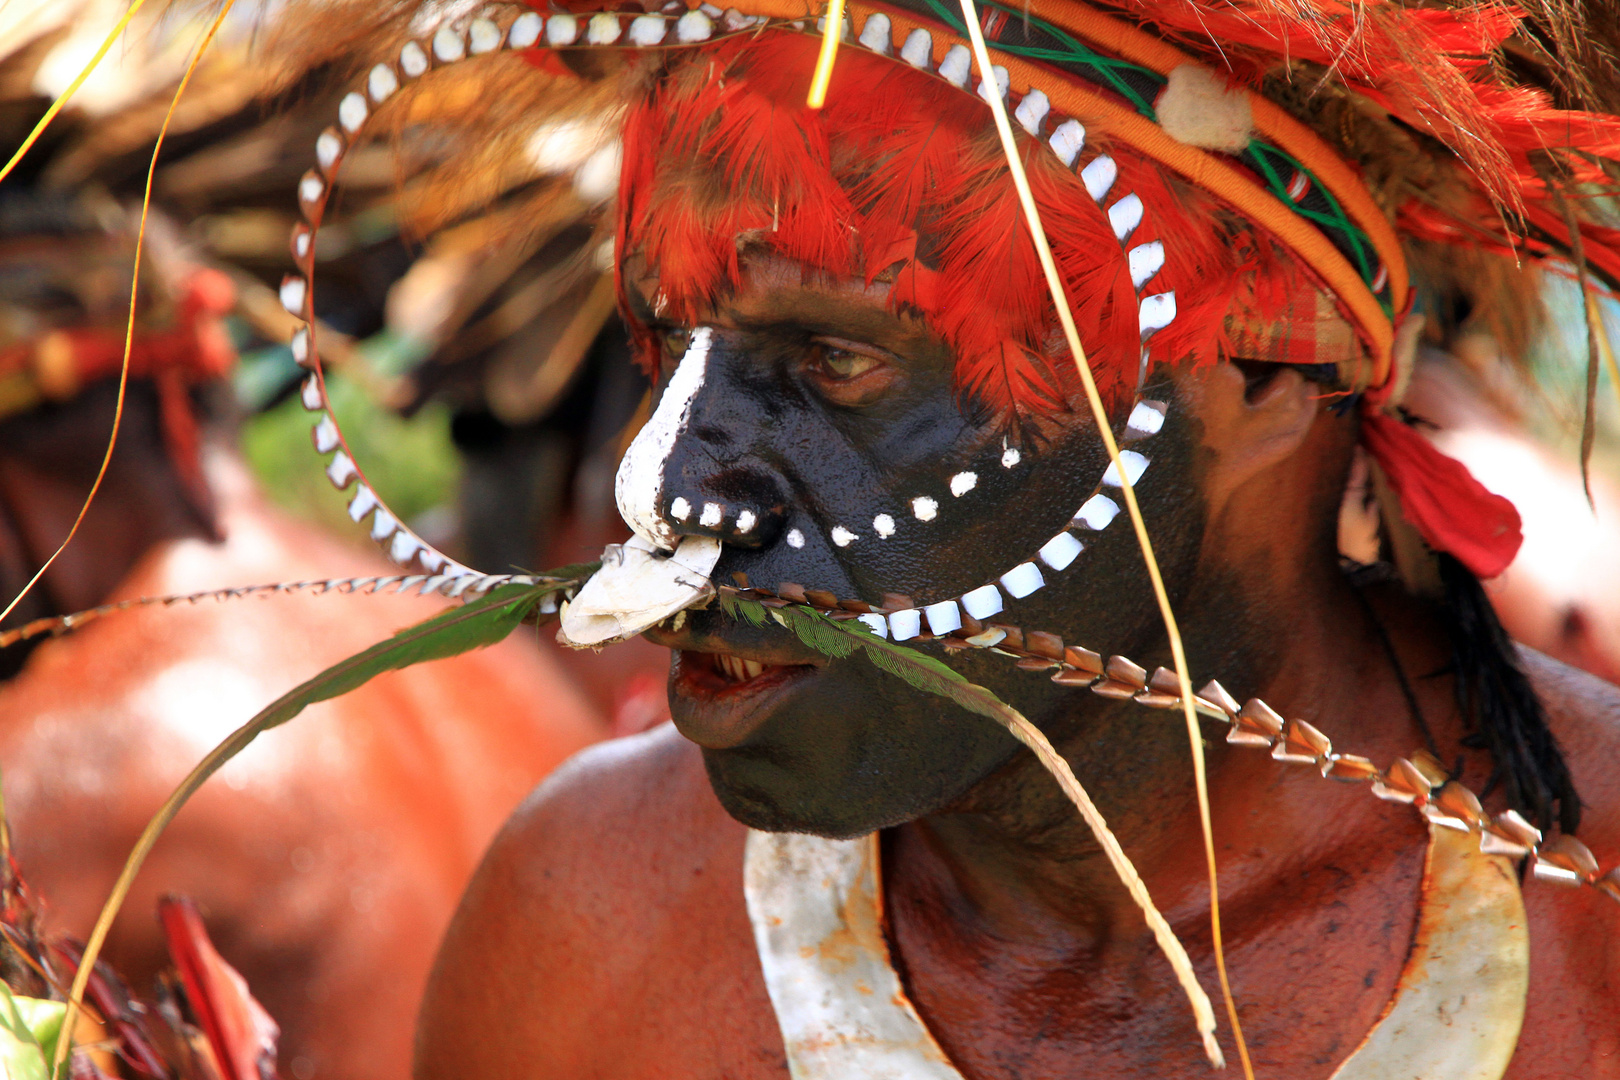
[(489, 32)]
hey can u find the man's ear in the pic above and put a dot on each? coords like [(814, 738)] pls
[(1249, 429), (1408, 335)]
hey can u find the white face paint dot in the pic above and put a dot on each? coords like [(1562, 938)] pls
[(711, 515), (883, 525), (1098, 511), (1135, 465), (1022, 580), (924, 508), (982, 602), (745, 520), (875, 623), (795, 539), (964, 482), (1060, 551), (943, 618), (842, 536), (1010, 457), (680, 509), (1147, 418)]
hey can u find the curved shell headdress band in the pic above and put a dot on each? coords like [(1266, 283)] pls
[(1130, 85), (1232, 143)]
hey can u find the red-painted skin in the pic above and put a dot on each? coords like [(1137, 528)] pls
[(605, 934), (327, 860)]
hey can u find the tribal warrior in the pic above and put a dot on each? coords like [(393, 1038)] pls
[(870, 414)]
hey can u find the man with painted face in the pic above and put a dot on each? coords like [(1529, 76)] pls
[(866, 405)]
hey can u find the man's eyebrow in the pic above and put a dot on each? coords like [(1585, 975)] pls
[(876, 324)]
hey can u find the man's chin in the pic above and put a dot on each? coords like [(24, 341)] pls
[(837, 813)]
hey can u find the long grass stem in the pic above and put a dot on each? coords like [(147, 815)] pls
[(1054, 283), (81, 977)]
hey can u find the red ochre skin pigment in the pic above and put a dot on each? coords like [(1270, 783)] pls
[(606, 930)]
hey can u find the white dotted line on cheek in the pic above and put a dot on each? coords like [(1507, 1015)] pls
[(1027, 578)]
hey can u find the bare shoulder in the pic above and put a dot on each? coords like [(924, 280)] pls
[(1570, 1027), (1584, 714), (1572, 695), (605, 933)]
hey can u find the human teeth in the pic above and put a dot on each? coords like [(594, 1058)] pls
[(737, 669)]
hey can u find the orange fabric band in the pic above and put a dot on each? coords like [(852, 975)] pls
[(1203, 170), (1270, 120)]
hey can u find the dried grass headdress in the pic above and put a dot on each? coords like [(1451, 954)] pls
[(1292, 181)]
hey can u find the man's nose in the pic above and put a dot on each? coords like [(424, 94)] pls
[(692, 470)]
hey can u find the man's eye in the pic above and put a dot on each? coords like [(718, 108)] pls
[(841, 361), (851, 373), (843, 364)]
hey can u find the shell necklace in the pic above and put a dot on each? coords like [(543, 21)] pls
[(817, 911)]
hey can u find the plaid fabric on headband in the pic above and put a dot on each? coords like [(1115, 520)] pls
[(1308, 330)]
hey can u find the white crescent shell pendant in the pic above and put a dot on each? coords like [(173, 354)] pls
[(817, 913), (637, 587)]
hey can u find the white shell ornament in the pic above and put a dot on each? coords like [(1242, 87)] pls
[(637, 588)]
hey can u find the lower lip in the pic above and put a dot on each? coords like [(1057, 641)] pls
[(719, 714)]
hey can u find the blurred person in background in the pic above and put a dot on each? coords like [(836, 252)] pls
[(1561, 594), (328, 858)]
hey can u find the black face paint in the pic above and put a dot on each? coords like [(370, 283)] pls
[(904, 493)]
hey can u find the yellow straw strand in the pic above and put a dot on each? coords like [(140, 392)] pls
[(98, 936), (830, 37), (1600, 331), (73, 88), (1054, 284), (1054, 762), (123, 377)]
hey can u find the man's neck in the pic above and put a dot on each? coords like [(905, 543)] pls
[(1020, 863)]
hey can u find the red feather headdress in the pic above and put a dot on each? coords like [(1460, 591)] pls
[(898, 176)]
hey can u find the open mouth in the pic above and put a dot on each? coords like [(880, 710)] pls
[(719, 698), (735, 668), (726, 671)]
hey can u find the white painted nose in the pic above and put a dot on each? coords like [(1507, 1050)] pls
[(639, 487)]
